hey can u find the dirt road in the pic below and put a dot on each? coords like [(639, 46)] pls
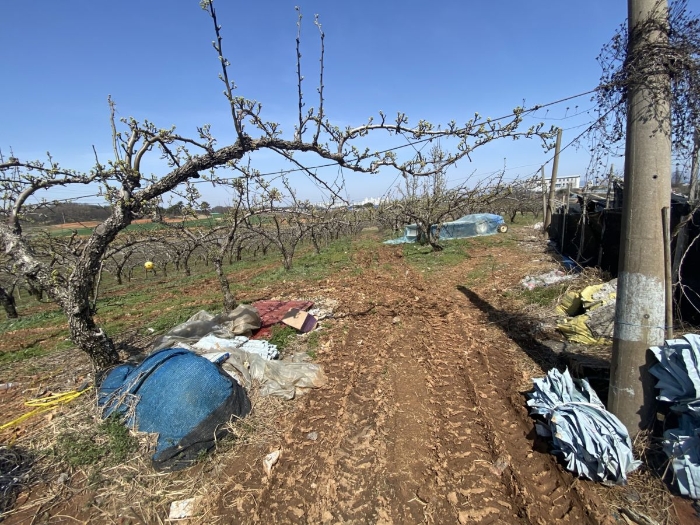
[(423, 420)]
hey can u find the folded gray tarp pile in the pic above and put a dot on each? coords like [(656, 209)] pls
[(679, 383), (594, 443)]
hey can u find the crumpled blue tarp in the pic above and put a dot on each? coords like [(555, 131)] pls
[(594, 443), (181, 396), (682, 445), (472, 225), (678, 374)]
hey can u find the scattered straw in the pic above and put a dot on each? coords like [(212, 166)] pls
[(131, 489)]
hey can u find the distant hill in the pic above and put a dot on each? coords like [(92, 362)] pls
[(68, 212)]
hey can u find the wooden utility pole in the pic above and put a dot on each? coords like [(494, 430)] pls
[(639, 313), (544, 200), (552, 183), (605, 215)]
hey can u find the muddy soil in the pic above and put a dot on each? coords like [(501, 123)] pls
[(423, 419)]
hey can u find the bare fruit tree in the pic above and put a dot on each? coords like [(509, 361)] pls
[(133, 193), (429, 201)]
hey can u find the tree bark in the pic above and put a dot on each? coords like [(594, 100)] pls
[(8, 303), (229, 300)]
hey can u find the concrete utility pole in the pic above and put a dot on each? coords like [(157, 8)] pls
[(553, 183), (639, 314)]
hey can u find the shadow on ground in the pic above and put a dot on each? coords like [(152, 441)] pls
[(521, 329)]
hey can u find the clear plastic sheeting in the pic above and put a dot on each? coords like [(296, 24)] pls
[(678, 382), (241, 321), (592, 441), (472, 225), (285, 379), (249, 359)]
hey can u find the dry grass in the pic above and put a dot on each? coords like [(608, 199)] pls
[(645, 495), (131, 489)]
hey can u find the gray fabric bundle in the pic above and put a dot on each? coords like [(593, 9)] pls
[(678, 374), (593, 442)]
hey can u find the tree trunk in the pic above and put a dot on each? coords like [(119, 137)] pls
[(186, 265), (229, 300), (287, 257), (92, 339), (8, 303), (314, 240), (434, 238)]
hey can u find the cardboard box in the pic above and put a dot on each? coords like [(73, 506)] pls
[(300, 320)]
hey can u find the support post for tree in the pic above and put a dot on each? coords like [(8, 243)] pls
[(640, 312), (668, 285), (544, 201), (553, 183), (682, 240), (605, 216), (563, 219)]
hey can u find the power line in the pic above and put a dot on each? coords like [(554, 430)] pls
[(424, 140), (410, 143)]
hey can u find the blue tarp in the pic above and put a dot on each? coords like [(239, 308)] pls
[(592, 441), (468, 226), (678, 374), (181, 396)]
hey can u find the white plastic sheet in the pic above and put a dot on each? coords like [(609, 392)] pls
[(546, 279)]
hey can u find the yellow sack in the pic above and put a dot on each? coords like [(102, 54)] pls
[(576, 330), (569, 304), (599, 294)]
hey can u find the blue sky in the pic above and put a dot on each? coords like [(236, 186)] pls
[(437, 61)]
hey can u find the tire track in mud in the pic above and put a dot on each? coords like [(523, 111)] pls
[(421, 421), (334, 478)]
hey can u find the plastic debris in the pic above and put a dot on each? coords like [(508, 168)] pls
[(473, 225), (599, 295), (682, 446), (270, 461), (570, 304), (241, 321), (546, 279), (592, 441), (179, 395), (678, 375), (596, 325), (179, 510), (272, 312), (211, 343), (569, 264)]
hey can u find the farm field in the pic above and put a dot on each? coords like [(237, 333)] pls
[(423, 419)]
